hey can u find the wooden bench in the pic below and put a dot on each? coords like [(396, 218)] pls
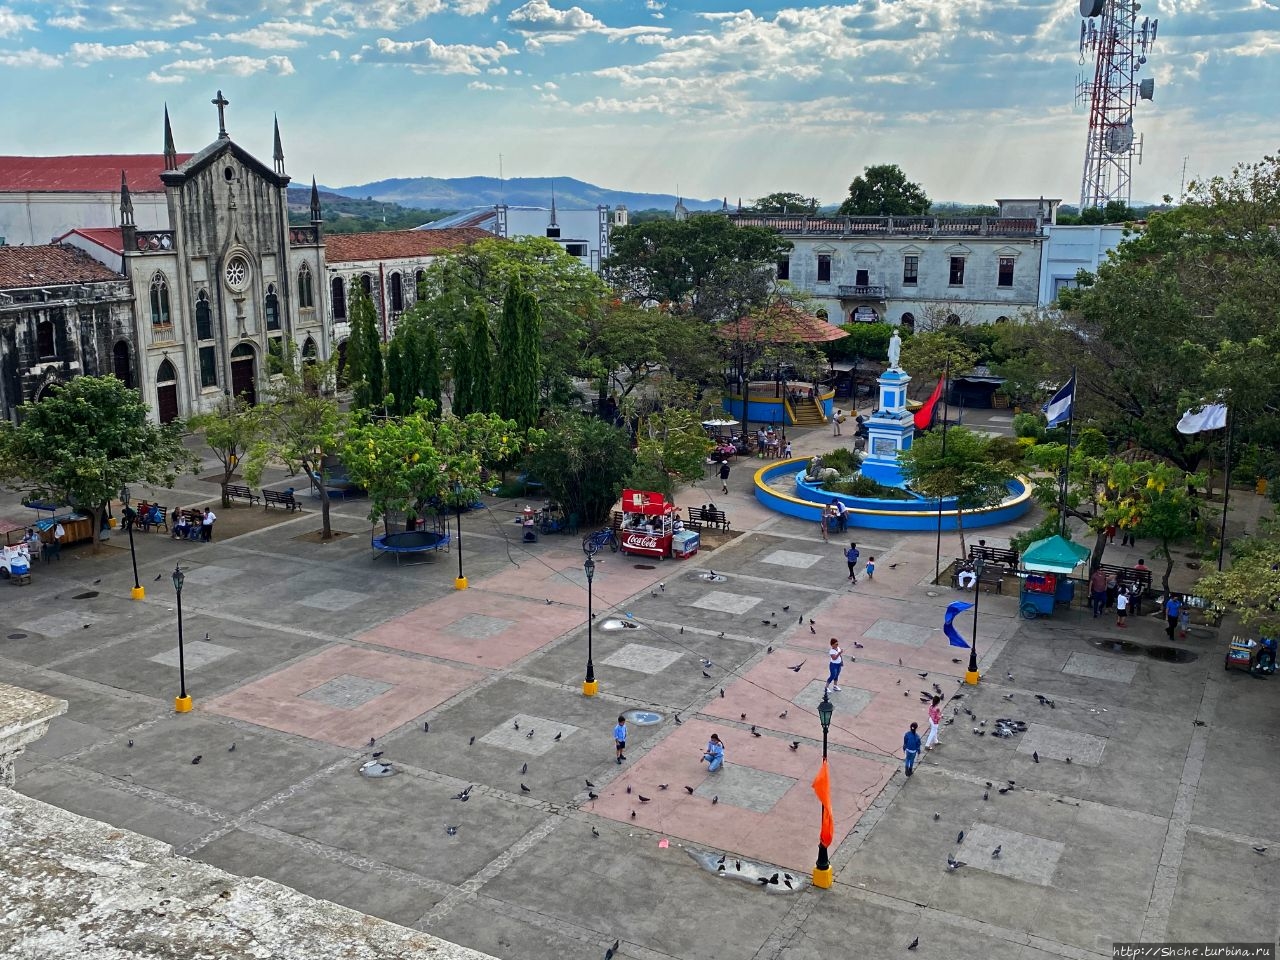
[(1128, 576), (146, 524), (279, 498), (1000, 556), (240, 492), (991, 577), (700, 517)]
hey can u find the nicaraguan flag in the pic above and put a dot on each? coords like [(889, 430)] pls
[(954, 610), (1212, 416), (1058, 409)]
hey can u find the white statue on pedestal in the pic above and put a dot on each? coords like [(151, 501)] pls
[(895, 351)]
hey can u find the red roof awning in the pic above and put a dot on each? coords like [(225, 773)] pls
[(781, 323)]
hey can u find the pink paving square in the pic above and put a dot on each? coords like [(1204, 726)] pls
[(556, 574), (787, 835), (276, 701), (440, 628)]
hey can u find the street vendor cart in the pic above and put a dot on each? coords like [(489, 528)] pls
[(651, 527), (1046, 581)]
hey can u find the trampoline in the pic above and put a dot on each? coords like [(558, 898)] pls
[(409, 542)]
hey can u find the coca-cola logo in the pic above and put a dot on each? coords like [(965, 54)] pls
[(636, 540)]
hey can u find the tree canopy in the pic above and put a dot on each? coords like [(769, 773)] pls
[(884, 191), (784, 202)]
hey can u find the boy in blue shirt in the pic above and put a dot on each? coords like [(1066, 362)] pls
[(620, 738), (911, 748)]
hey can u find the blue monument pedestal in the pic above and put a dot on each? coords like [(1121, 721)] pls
[(890, 429)]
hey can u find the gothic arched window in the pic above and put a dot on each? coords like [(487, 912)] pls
[(160, 316), (397, 293), (306, 299), (271, 307), (339, 299), (204, 317)]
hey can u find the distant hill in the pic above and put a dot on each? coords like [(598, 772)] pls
[(350, 215), (462, 193)]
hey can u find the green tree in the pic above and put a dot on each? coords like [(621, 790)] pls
[(632, 347), (783, 202), (975, 470), (400, 376), (672, 450), (302, 428), (230, 431), (865, 341), (1250, 586), (428, 365), (884, 191), (705, 265), (518, 367), (583, 463), (84, 441), (365, 369), (926, 355)]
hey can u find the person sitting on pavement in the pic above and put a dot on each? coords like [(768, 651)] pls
[(714, 755), (966, 578)]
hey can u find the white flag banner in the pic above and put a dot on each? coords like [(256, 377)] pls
[(1212, 416)]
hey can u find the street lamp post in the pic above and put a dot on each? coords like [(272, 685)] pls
[(138, 592), (460, 583), (589, 685), (823, 875), (181, 703), (971, 676)]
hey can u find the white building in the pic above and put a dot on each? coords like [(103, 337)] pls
[(1070, 249), (915, 271), (581, 233)]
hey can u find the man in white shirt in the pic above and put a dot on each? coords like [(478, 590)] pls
[(206, 525)]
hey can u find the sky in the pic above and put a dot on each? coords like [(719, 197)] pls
[(974, 99)]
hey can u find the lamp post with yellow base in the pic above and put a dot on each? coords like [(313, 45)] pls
[(823, 874), (589, 686), (460, 581), (182, 702), (971, 675)]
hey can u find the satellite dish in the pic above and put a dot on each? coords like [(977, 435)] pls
[(1091, 8), (1120, 138)]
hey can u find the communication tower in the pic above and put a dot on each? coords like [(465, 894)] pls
[(1112, 34)]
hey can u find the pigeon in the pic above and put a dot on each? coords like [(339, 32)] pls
[(995, 854), (721, 635), (1035, 757), (99, 580), (755, 732), (742, 716), (707, 675), (1259, 850), (738, 865), (131, 743), (1068, 760), (662, 587), (471, 742), (451, 831), (768, 649), (688, 790), (663, 786), (787, 882), (207, 638), (858, 646), (1198, 723), (628, 788), (548, 602), (377, 754), (795, 745), (595, 832), (682, 631), (953, 863), (773, 879), (633, 814), (558, 736), (960, 837), (988, 783), (783, 715), (899, 661), (464, 794), (986, 796), (524, 768), (372, 741), (704, 661), (800, 620), (159, 576), (589, 783), (765, 622), (893, 566), (913, 944), (722, 693), (786, 608), (715, 799), (643, 798), (796, 668), (592, 796), (923, 676), (937, 816), (955, 659), (1012, 783), (523, 788), (608, 954), (515, 724), (196, 759), (1003, 790), (678, 720), (813, 631), (1009, 676), (529, 735)]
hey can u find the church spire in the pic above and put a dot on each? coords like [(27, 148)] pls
[(315, 202), (278, 154), (126, 203), (170, 154), (553, 205)]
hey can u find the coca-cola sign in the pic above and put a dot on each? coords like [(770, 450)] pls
[(641, 541)]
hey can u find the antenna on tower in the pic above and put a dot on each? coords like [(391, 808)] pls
[(1119, 43), (1182, 187)]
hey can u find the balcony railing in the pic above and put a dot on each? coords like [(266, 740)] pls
[(154, 241), (861, 291), (891, 226), (302, 236)]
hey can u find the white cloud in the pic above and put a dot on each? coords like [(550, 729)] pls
[(154, 77), (386, 14), (471, 8), (331, 55), (543, 23), (84, 54), (12, 23), (430, 57), (231, 66), (481, 85), (28, 58), (280, 35)]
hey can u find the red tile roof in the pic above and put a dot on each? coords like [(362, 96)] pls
[(49, 264), (395, 244), (108, 237), (100, 173)]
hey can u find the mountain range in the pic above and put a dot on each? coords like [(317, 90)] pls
[(462, 193)]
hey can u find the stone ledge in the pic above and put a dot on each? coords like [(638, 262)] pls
[(24, 718), (71, 886)]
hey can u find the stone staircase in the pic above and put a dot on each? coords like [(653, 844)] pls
[(807, 413)]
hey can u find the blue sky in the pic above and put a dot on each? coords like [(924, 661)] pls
[(973, 98)]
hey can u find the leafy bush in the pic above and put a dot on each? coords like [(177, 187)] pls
[(843, 459), (859, 486), (583, 463), (1029, 425)]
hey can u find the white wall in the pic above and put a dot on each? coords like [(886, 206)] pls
[(1068, 249), (32, 218)]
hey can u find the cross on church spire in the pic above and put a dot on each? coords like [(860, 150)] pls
[(221, 103)]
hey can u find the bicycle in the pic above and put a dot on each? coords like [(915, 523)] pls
[(595, 542)]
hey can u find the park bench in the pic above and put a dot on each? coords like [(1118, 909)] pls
[(1000, 556), (145, 524), (700, 517), (279, 498), (992, 576), (1128, 576), (239, 492)]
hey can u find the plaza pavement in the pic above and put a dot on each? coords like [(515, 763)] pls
[(313, 649)]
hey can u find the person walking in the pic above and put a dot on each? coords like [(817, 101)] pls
[(911, 749), (724, 476), (842, 515), (834, 667), (1184, 620), (1122, 606), (1098, 591), (835, 423), (1172, 610), (871, 568), (935, 718), (1128, 538), (714, 754), (620, 739), (851, 557)]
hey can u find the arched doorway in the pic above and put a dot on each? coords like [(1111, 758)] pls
[(908, 322), (342, 363), (167, 393), (244, 374), (122, 363)]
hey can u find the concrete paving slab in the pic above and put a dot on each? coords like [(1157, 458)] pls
[(61, 623), (1224, 888), (209, 574), (1022, 857), (530, 735), (642, 658), (724, 602), (477, 626), (745, 787), (347, 692), (1100, 668), (849, 700), (195, 654), (1055, 744), (493, 927), (792, 558), (333, 599), (906, 634)]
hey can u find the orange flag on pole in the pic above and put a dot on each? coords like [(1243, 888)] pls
[(822, 787)]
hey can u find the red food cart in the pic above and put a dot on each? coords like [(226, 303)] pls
[(651, 527)]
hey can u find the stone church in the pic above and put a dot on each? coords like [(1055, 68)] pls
[(219, 278)]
